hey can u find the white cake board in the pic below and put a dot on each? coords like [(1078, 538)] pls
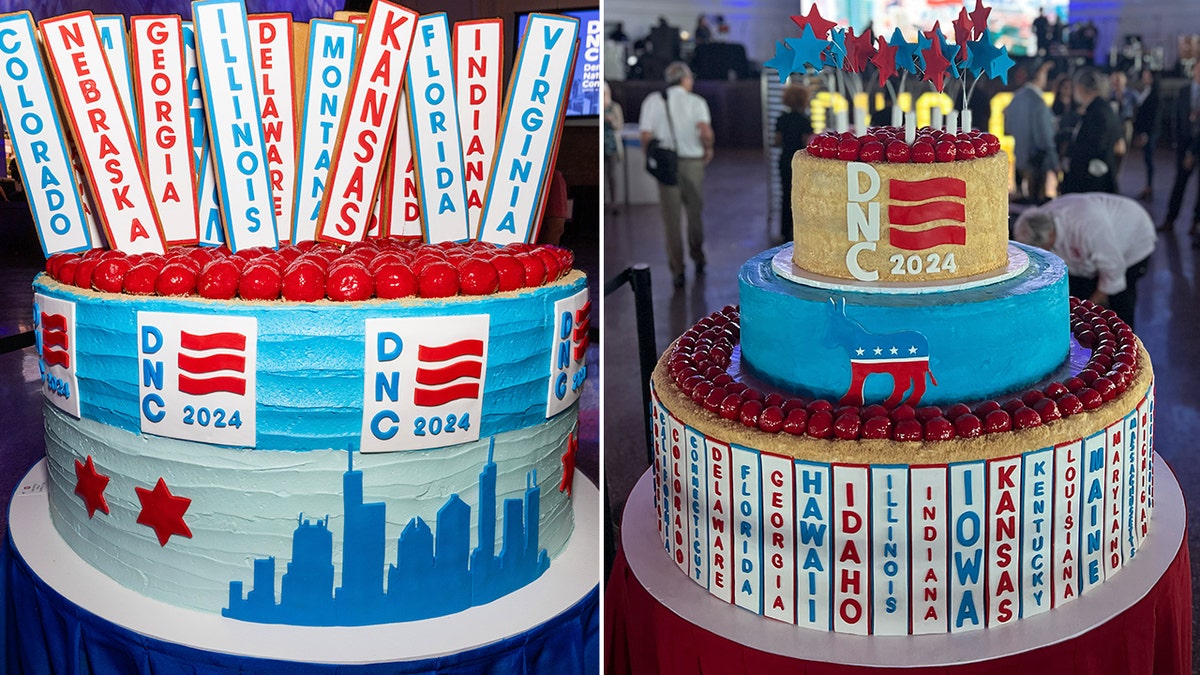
[(1018, 262), (570, 577), (691, 602)]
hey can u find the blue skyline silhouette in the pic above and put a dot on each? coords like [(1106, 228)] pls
[(434, 574)]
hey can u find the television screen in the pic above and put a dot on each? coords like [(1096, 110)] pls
[(584, 99)]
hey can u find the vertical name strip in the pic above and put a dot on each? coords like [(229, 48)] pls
[(38, 141), (400, 204), (234, 123), (357, 168), (437, 145), (331, 48), (116, 48), (94, 113), (271, 47), (162, 106), (532, 117), (208, 202), (478, 54)]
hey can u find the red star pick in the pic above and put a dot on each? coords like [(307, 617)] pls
[(885, 60), (163, 512), (89, 485), (962, 31), (979, 18), (820, 25), (568, 462), (935, 65), (859, 51)]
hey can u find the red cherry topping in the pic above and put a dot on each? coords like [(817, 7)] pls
[(349, 283), (945, 151), (1026, 418), (907, 430), (439, 280), (478, 277), (847, 426), (968, 426), (897, 152), (303, 281), (878, 426), (939, 429), (997, 421), (1048, 410), (771, 419), (109, 274), (140, 279), (922, 152), (796, 422), (260, 281), (820, 424), (177, 278), (750, 413), (848, 150), (219, 280), (871, 151)]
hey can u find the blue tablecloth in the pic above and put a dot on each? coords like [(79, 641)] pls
[(44, 633)]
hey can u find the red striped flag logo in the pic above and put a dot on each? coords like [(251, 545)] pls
[(927, 201), (56, 340), (211, 363), (448, 372)]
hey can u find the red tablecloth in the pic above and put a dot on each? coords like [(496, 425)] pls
[(1154, 636)]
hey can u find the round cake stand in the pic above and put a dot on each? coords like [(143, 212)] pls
[(570, 579), (691, 602)]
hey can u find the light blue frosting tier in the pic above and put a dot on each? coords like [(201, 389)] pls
[(982, 341), (310, 357), (245, 504)]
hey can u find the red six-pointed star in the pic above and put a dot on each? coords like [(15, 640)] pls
[(568, 462), (89, 485), (163, 512)]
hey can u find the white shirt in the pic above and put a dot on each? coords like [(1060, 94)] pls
[(688, 110), (1100, 235)]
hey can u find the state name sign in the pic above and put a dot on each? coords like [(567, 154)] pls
[(116, 48), (234, 116), (357, 168), (478, 56), (208, 201), (162, 107), (529, 133), (331, 48), (400, 202), (37, 139), (97, 119), (437, 145), (271, 48)]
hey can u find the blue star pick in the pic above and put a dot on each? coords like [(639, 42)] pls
[(905, 52), (808, 48), (950, 52), (980, 54), (782, 61), (836, 49), (1000, 66), (923, 43)]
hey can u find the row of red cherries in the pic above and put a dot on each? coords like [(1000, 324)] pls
[(886, 144), (309, 271), (700, 359)]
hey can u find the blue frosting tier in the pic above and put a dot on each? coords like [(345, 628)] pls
[(322, 375), (961, 345)]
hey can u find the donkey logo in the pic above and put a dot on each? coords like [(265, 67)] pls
[(904, 355)]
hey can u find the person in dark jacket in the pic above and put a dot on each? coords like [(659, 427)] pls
[(1187, 149), (1146, 126), (1092, 154)]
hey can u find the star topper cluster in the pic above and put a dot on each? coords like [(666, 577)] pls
[(823, 46)]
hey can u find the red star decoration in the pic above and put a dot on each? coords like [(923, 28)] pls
[(820, 25), (568, 462), (885, 60), (979, 17), (859, 51), (90, 485), (935, 65), (962, 31), (163, 512)]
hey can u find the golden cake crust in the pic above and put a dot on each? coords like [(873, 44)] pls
[(821, 208), (883, 451)]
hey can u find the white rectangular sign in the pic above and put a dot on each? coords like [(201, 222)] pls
[(231, 103), (271, 48), (478, 80)]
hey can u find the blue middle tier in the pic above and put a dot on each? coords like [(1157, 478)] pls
[(961, 345)]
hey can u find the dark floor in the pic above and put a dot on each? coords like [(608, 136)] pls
[(21, 443), (735, 217)]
